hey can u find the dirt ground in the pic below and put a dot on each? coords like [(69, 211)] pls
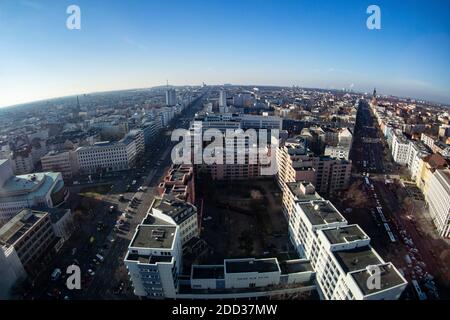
[(243, 219)]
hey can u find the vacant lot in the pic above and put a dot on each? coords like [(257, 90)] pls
[(242, 220)]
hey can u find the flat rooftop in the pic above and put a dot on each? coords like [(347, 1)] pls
[(208, 272), (152, 220), (251, 265), (154, 236), (19, 225), (295, 266), (148, 259), (296, 189), (321, 212), (389, 278), (345, 234), (356, 259), (177, 209)]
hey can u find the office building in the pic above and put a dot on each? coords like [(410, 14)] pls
[(64, 162), (107, 156), (27, 245), (42, 189)]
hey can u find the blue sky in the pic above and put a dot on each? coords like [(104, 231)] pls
[(136, 43)]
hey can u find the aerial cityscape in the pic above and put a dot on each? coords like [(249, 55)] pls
[(327, 185)]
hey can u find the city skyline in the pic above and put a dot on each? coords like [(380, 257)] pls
[(300, 43)]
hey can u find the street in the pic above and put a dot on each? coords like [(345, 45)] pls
[(394, 231), (106, 220)]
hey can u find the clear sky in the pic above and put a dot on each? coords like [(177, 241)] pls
[(136, 43)]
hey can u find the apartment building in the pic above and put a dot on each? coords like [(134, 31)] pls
[(154, 261), (177, 212), (339, 152), (179, 182), (297, 163), (428, 140), (437, 196), (151, 128), (236, 162), (107, 156), (400, 148), (22, 161), (417, 151), (27, 243), (340, 254), (42, 189)]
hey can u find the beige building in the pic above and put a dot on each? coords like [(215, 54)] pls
[(64, 162)]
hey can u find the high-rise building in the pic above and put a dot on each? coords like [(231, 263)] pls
[(171, 97), (222, 99)]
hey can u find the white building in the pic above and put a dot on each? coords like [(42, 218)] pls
[(154, 260), (417, 151), (171, 97), (437, 196), (138, 136), (177, 212), (166, 115), (27, 244), (341, 254), (107, 156), (42, 189), (400, 148)]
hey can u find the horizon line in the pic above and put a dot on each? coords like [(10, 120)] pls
[(446, 104)]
